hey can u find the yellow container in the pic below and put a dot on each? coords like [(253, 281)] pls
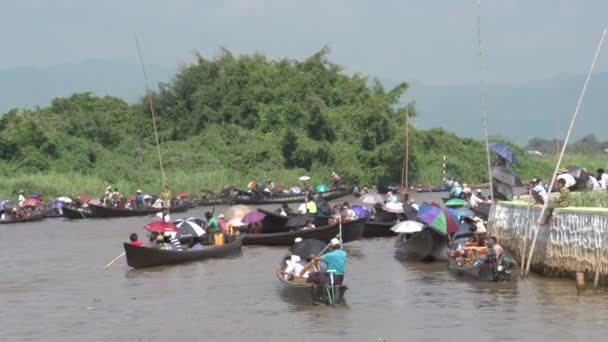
[(219, 239)]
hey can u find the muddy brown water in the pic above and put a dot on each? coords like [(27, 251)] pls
[(54, 288)]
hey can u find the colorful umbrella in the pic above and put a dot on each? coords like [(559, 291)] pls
[(183, 195), (408, 227), (322, 188), (504, 152), (161, 227), (251, 185), (455, 202), (253, 217), (439, 219), (31, 202)]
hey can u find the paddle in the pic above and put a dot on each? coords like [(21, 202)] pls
[(114, 260)]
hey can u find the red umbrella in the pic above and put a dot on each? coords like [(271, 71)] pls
[(183, 195), (84, 198), (161, 227), (31, 202)]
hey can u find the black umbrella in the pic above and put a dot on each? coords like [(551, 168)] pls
[(190, 227), (298, 221), (506, 176), (307, 247), (482, 210), (503, 191), (409, 212), (579, 173)]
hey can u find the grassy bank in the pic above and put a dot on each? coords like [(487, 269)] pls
[(72, 184)]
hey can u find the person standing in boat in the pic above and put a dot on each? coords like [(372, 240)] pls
[(21, 198), (336, 180), (166, 196), (336, 263), (164, 215)]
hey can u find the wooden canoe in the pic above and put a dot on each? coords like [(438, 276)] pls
[(351, 231), (141, 257), (375, 229), (73, 213), (244, 197), (103, 211)]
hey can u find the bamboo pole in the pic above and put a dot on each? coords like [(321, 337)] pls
[(523, 250), (483, 105), (160, 159), (407, 146), (561, 155)]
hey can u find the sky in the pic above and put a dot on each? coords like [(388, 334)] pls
[(428, 41)]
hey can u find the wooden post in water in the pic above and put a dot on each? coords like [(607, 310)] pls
[(407, 146)]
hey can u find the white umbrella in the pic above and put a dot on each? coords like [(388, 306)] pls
[(236, 222), (304, 178), (371, 198), (238, 210), (64, 199), (408, 227)]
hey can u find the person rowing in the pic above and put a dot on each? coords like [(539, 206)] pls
[(336, 264)]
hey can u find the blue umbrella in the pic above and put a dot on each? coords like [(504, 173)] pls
[(361, 211), (504, 152), (462, 212)]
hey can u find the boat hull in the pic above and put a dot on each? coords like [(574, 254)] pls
[(425, 245), (141, 257), (33, 218), (102, 211), (72, 213), (483, 272), (351, 231), (375, 229), (250, 199)]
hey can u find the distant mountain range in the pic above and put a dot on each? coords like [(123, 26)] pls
[(516, 111)]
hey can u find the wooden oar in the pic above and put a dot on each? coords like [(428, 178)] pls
[(114, 260)]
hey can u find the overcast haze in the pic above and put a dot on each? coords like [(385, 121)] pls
[(425, 42), (428, 40)]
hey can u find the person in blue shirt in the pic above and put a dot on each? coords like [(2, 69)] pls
[(336, 262)]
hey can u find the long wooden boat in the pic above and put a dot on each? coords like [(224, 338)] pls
[(141, 257), (31, 218), (243, 197), (103, 211), (73, 213), (297, 282), (375, 229), (351, 231), (485, 271)]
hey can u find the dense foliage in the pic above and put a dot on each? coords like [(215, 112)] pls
[(239, 118)]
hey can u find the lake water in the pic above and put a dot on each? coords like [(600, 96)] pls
[(54, 288)]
